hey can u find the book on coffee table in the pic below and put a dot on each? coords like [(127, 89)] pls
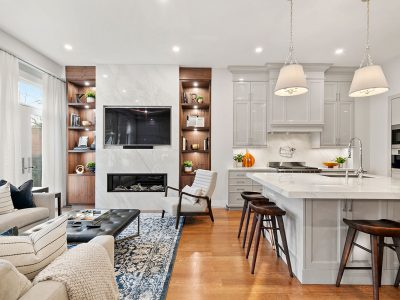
[(89, 217)]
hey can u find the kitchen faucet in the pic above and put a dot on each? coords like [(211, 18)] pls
[(360, 169)]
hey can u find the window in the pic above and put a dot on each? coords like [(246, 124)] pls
[(30, 87), (36, 123)]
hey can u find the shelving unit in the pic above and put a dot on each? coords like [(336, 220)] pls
[(80, 187), (194, 81)]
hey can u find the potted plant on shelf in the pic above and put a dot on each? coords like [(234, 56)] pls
[(91, 166), (238, 159), (188, 165), (90, 96), (341, 160)]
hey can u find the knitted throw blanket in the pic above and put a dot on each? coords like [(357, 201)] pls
[(86, 271)]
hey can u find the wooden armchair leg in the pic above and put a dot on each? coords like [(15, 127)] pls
[(162, 214), (211, 214), (178, 218)]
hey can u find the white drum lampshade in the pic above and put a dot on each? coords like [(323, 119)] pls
[(368, 81), (291, 81)]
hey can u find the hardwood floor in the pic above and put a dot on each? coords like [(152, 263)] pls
[(210, 264)]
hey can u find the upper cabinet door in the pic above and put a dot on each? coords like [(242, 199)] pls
[(329, 132), (241, 91), (316, 101), (258, 91), (345, 122), (330, 91), (396, 111), (297, 109), (241, 123), (258, 123), (343, 91)]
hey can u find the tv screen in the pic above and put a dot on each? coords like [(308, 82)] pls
[(137, 126)]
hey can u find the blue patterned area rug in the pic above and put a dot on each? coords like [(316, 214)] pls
[(144, 264)]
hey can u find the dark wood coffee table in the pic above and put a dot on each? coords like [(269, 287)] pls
[(113, 224)]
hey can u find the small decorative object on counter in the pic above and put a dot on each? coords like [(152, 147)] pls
[(91, 166), (248, 160), (330, 164), (93, 145), (185, 99), (86, 123), (193, 97), (200, 99), (340, 160), (79, 169), (195, 146), (237, 160), (188, 165), (78, 97), (90, 96)]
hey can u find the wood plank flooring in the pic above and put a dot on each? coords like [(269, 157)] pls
[(210, 264)]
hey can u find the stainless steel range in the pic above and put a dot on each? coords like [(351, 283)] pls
[(293, 167)]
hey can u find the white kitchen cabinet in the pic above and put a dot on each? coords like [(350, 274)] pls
[(250, 114), (396, 111), (298, 113), (338, 126)]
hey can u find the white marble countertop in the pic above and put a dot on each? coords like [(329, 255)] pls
[(292, 185), (253, 169)]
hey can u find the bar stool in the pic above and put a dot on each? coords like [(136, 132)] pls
[(248, 197), (378, 230), (274, 214)]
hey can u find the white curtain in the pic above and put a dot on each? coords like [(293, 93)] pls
[(10, 125), (54, 136)]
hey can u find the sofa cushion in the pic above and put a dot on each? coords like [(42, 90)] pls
[(31, 254), (193, 191), (170, 205), (23, 217), (21, 196), (6, 204), (12, 284)]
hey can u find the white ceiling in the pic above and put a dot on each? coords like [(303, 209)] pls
[(214, 33)]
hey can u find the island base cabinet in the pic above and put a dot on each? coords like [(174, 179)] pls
[(316, 235)]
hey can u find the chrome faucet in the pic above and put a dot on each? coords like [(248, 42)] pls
[(360, 169)]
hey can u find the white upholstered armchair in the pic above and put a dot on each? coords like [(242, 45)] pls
[(194, 200)]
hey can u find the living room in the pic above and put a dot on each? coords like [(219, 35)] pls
[(199, 149)]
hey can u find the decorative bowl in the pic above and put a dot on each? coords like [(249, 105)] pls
[(86, 123), (330, 164)]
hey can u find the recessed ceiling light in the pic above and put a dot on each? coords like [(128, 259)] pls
[(87, 83), (258, 50), (105, 76), (68, 47), (339, 51), (195, 83), (195, 107), (124, 91), (241, 79), (87, 106), (145, 111), (176, 49)]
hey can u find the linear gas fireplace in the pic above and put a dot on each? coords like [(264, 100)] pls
[(136, 182)]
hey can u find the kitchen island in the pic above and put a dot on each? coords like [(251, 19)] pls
[(316, 205)]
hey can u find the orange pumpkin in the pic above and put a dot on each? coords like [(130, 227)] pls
[(248, 160)]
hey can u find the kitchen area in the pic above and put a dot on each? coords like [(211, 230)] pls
[(311, 155)]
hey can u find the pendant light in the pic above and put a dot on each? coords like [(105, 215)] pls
[(369, 79), (291, 80)]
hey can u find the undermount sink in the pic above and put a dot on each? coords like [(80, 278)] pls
[(344, 175)]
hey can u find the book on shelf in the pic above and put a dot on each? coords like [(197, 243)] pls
[(75, 120)]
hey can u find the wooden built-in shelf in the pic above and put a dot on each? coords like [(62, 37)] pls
[(195, 106), (194, 151), (81, 151), (83, 105), (84, 174), (86, 128), (195, 128), (188, 174)]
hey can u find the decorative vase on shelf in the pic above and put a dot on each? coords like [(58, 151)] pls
[(248, 160), (188, 169), (90, 100)]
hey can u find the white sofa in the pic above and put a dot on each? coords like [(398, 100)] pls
[(53, 290), (27, 218)]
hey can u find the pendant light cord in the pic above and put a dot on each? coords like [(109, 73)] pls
[(367, 59), (290, 58)]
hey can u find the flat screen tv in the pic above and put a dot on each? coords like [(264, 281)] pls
[(137, 126)]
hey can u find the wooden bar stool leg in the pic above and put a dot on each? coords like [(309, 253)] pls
[(253, 228), (246, 227), (284, 242), (375, 270), (257, 242), (351, 233), (275, 233), (396, 242), (381, 246), (244, 210)]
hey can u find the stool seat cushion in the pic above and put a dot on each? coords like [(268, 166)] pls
[(382, 227), (250, 196), (271, 210)]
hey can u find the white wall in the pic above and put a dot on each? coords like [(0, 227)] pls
[(145, 85), (221, 131), (23, 51), (380, 121)]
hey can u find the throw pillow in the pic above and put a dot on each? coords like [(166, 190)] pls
[(12, 284), (6, 204), (31, 254), (21, 196), (193, 191), (10, 232)]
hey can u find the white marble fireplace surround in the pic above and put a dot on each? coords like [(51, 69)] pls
[(135, 85)]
